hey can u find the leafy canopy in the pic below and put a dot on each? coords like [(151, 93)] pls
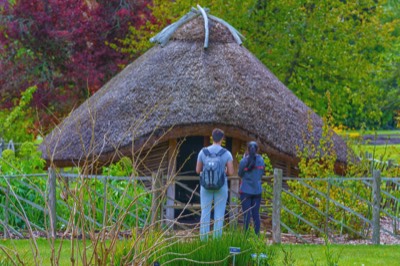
[(62, 47), (345, 47)]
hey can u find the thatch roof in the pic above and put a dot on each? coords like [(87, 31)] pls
[(182, 89)]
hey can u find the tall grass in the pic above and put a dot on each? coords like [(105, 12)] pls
[(190, 250)]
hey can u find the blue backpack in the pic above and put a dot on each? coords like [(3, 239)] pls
[(213, 175)]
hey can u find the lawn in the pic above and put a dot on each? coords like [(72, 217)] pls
[(381, 152), (349, 254), (371, 132)]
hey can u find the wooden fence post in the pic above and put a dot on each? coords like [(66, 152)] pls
[(156, 187), (170, 210), (170, 182), (233, 202), (104, 203), (52, 202), (6, 206), (276, 207), (234, 186), (376, 190), (327, 207)]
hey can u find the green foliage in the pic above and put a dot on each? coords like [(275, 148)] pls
[(26, 189), (144, 248), (398, 119), (267, 193), (8, 161), (124, 199), (18, 124), (347, 48), (332, 258), (124, 167), (372, 157), (127, 190), (80, 196), (166, 12), (288, 257), (348, 193), (262, 253), (31, 160), (268, 165), (384, 152), (27, 161), (10, 258), (336, 46), (317, 161)]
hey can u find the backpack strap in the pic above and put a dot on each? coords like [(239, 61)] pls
[(206, 152), (221, 152)]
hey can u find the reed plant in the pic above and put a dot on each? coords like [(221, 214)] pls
[(193, 251)]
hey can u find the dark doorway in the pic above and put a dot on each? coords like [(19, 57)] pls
[(186, 164)]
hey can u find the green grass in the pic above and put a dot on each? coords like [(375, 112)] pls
[(371, 132), (380, 152), (349, 254), (23, 248)]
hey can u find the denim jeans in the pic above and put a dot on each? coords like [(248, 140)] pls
[(251, 208), (206, 199)]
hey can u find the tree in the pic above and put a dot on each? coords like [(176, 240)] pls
[(392, 82), (62, 47), (336, 46), (313, 47)]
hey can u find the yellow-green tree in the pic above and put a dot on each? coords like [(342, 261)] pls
[(345, 47), (336, 46)]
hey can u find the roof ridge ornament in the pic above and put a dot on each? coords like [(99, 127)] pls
[(164, 35)]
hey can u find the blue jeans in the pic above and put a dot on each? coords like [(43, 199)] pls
[(251, 206), (206, 199)]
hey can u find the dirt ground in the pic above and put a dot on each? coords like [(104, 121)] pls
[(385, 237)]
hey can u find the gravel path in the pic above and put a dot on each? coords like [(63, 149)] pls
[(385, 238)]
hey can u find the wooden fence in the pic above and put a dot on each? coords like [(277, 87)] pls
[(364, 199), (43, 202), (289, 210)]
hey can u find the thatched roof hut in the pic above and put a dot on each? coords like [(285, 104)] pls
[(181, 90)]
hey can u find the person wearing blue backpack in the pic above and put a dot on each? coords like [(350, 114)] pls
[(214, 164), (251, 170)]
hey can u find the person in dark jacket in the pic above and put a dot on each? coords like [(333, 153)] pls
[(251, 169)]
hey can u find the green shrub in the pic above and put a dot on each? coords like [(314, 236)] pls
[(18, 124), (318, 161)]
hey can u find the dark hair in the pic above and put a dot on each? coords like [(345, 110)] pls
[(252, 148), (217, 135)]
